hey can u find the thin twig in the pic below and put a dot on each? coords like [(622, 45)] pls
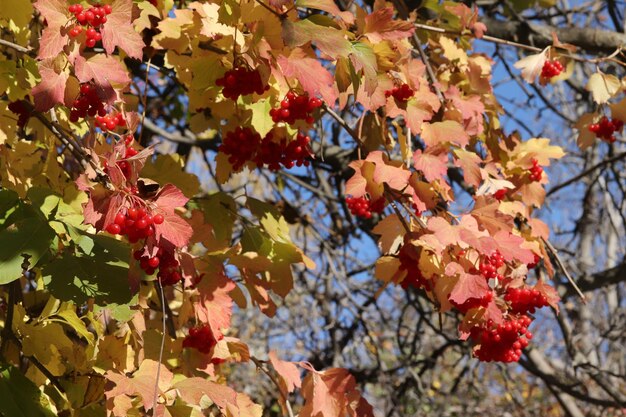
[(586, 172), (163, 330), (15, 46), (561, 266), (259, 365)]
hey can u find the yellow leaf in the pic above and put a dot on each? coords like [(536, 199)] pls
[(618, 110), (169, 169), (603, 87), (391, 232), (535, 148), (453, 52)]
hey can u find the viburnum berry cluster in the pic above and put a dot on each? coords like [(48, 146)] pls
[(363, 207), (490, 265), (296, 107), (125, 166), (606, 128), (87, 103), (245, 145), (504, 342), (200, 338), (90, 20), (535, 171), (241, 81), (110, 121), (166, 262), (402, 93), (551, 68), (525, 300), (137, 223)]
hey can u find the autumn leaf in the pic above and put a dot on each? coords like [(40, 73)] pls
[(331, 41), (192, 390), (119, 31), (391, 231), (327, 6), (314, 78), (51, 89), (448, 131), (105, 71), (603, 87), (433, 163), (212, 304), (174, 229), (468, 285), (532, 65), (170, 198), (54, 37), (288, 372), (381, 25)]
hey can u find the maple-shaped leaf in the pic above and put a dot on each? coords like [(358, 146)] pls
[(192, 390), (288, 372), (618, 110), (169, 198), (391, 232), (314, 78), (392, 173), (381, 25), (51, 89), (603, 87), (118, 30), (510, 246), (106, 71), (332, 393), (468, 17), (212, 304), (535, 148), (532, 65), (443, 132), (54, 36), (468, 285), (470, 163), (470, 108), (433, 163), (173, 229), (329, 40), (141, 383)]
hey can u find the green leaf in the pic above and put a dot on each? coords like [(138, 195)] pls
[(67, 311), (30, 236), (363, 58), (220, 211), (19, 397), (101, 272), (261, 119), (271, 220), (9, 202)]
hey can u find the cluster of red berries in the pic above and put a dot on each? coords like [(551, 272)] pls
[(525, 300), (87, 103), (402, 93), (129, 152), (471, 303), (535, 262), (535, 171), (91, 19), (200, 338), (241, 81), (502, 343), (165, 261), (490, 265), (551, 68), (245, 145), (296, 107), (414, 277), (110, 121), (23, 113), (500, 194), (605, 128), (137, 223), (363, 207)]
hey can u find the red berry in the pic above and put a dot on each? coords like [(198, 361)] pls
[(158, 219), (114, 228)]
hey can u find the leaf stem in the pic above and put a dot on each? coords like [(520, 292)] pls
[(259, 365)]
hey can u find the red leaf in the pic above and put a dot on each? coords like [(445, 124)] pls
[(213, 304), (53, 39), (119, 31), (381, 25), (193, 389), (315, 79), (433, 163), (51, 89), (288, 371), (549, 292), (106, 72), (468, 286), (170, 198), (510, 246), (173, 229)]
